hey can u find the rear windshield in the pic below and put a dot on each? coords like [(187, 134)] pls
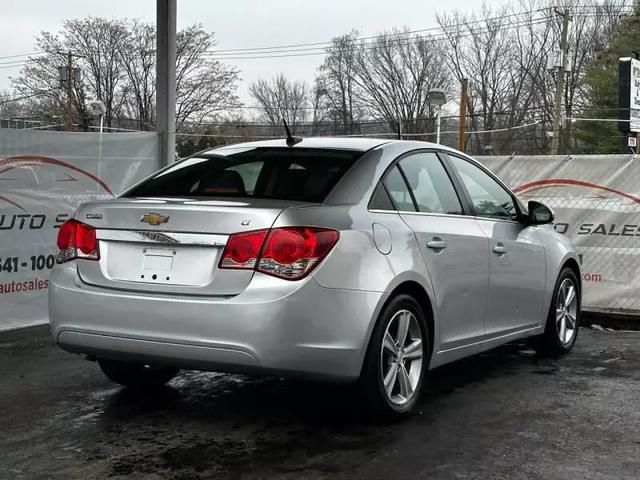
[(297, 174)]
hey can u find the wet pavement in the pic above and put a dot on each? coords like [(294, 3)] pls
[(502, 415)]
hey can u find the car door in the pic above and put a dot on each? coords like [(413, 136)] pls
[(517, 255), (453, 246)]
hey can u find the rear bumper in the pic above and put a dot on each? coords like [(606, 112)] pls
[(274, 326)]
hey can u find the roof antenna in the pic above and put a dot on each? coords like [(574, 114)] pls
[(291, 140)]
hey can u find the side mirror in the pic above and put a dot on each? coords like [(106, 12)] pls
[(539, 214)]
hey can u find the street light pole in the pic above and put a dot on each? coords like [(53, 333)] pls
[(437, 97)]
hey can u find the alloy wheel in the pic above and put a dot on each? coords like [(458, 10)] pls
[(401, 357), (567, 311)]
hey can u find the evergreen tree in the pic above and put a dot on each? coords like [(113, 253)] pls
[(601, 90)]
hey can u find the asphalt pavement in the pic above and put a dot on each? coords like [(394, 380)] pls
[(505, 414)]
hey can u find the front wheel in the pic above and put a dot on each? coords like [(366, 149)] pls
[(563, 320), (136, 375), (397, 357)]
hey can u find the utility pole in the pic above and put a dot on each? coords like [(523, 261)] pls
[(557, 107), (462, 122), (69, 91), (68, 74)]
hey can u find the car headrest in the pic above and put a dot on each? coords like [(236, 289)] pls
[(229, 182)]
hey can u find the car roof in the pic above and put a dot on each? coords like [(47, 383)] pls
[(339, 143), (361, 144)]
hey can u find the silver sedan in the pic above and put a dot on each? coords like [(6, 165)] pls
[(341, 259)]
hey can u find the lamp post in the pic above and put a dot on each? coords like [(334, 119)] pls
[(98, 109), (437, 97)]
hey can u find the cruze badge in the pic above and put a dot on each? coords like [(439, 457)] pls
[(154, 218)]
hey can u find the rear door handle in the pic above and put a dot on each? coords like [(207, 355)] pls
[(499, 248), (437, 244)]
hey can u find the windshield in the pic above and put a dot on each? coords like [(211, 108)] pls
[(296, 174)]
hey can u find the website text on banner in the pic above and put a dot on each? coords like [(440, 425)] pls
[(597, 204), (44, 176)]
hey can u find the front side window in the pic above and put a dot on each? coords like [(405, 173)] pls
[(430, 184), (489, 198)]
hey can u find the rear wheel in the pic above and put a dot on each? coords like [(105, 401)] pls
[(397, 357), (136, 374), (564, 315)]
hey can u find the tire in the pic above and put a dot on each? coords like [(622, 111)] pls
[(136, 375), (562, 314), (393, 371)]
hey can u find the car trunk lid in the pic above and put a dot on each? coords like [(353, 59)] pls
[(171, 245)]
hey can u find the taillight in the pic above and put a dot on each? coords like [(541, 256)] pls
[(77, 240), (288, 252), (292, 252), (242, 250)]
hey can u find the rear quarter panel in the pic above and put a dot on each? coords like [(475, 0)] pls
[(356, 263)]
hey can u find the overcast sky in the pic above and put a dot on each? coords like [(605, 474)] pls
[(236, 23)]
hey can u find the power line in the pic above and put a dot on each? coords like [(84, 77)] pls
[(371, 37), (25, 97), (19, 55), (400, 41), (12, 65), (593, 10), (373, 45), (320, 48), (277, 50)]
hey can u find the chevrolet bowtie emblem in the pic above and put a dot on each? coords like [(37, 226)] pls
[(154, 218)]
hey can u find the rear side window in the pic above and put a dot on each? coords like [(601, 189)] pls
[(397, 188), (380, 199), (296, 174)]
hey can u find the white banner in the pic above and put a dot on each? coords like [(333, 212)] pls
[(597, 204), (44, 176)]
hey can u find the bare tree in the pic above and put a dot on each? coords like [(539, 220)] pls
[(117, 58), (39, 82), (205, 86), (95, 42), (479, 48), (336, 82), (281, 98), (504, 55), (137, 54), (395, 73), (320, 110), (10, 105)]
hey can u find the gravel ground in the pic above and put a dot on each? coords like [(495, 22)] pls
[(503, 415)]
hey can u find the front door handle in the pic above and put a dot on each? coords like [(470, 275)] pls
[(436, 244), (499, 248)]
